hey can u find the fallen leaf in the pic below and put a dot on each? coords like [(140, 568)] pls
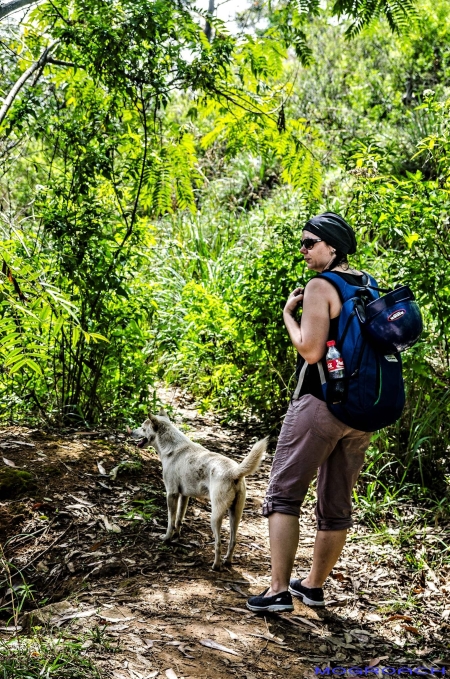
[(182, 648), (237, 589), (152, 674), (106, 617), (101, 469), (338, 576), (373, 617), (304, 621), (81, 501), (78, 506), (10, 463), (364, 632), (170, 674), (143, 660), (375, 661), (232, 634), (270, 637), (117, 628), (96, 545), (16, 442), (112, 527), (113, 473), (78, 614), (338, 602), (218, 647)]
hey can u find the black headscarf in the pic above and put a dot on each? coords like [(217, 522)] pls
[(334, 230)]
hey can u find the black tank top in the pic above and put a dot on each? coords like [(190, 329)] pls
[(311, 383)]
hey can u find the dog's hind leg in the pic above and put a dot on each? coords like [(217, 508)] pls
[(235, 514), (183, 501), (172, 503), (216, 525)]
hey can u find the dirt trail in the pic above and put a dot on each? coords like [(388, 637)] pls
[(152, 608)]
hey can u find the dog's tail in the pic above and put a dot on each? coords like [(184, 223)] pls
[(250, 464)]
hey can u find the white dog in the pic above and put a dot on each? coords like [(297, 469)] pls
[(189, 470)]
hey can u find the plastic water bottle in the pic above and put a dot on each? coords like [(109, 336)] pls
[(336, 374)]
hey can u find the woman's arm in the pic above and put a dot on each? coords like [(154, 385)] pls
[(310, 337)]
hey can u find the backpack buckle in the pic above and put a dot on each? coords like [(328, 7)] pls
[(360, 310)]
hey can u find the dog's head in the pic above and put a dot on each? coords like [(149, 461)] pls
[(150, 430)]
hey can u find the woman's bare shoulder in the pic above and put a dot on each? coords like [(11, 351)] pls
[(317, 286)]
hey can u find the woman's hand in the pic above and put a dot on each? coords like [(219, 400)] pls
[(294, 300)]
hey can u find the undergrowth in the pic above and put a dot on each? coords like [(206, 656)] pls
[(37, 657)]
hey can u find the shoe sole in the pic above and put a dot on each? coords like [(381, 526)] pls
[(304, 598), (272, 609)]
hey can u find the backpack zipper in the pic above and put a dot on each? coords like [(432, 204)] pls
[(347, 325), (379, 381)]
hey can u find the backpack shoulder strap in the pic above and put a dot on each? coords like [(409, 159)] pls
[(347, 290)]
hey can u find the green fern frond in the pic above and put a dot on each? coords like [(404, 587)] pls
[(398, 13), (308, 6)]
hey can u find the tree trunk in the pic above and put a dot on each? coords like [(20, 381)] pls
[(208, 27), (9, 99), (13, 5)]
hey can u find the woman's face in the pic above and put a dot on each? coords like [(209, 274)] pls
[(320, 255)]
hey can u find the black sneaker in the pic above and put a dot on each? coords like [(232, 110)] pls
[(310, 596), (277, 602)]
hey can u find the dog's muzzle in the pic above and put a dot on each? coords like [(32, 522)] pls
[(141, 443)]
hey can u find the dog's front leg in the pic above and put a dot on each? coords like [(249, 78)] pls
[(172, 503)]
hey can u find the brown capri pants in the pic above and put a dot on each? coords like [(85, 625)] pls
[(312, 439)]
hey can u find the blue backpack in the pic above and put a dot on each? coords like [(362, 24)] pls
[(375, 391)]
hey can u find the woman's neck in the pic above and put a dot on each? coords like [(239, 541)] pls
[(349, 270)]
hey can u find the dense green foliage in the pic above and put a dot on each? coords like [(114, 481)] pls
[(154, 185)]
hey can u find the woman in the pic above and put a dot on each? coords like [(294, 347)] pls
[(311, 438)]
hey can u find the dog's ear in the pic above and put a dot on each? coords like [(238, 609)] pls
[(163, 413), (154, 421)]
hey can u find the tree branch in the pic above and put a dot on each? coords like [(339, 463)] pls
[(59, 62), (13, 5), (9, 99)]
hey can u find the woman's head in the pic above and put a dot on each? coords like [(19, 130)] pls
[(327, 240)]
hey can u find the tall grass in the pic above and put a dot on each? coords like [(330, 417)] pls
[(220, 279)]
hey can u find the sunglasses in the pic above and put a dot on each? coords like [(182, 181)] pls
[(309, 243)]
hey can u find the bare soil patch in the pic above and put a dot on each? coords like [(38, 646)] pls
[(94, 544)]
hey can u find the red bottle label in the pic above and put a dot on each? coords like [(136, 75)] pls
[(334, 364)]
